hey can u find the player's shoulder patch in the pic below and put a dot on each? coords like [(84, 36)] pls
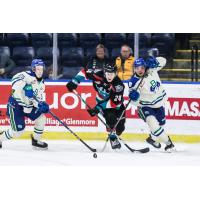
[(119, 88)]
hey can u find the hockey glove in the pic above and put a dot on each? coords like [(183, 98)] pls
[(71, 86), (94, 111), (43, 107), (134, 95), (28, 91)]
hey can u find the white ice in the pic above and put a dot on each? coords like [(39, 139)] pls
[(74, 153)]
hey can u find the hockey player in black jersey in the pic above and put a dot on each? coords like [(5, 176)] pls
[(109, 97)]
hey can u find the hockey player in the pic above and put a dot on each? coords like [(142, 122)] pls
[(150, 99), (21, 104), (109, 97)]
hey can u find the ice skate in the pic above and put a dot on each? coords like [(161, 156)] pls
[(38, 144), (170, 146), (153, 142), (115, 144)]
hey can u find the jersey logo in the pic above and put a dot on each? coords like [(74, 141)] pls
[(154, 85), (119, 88)]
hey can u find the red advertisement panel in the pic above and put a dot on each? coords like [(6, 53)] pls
[(68, 107)]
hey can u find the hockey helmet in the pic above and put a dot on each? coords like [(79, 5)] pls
[(139, 62), (37, 62), (110, 68)]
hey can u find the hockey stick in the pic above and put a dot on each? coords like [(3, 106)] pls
[(144, 150), (65, 125)]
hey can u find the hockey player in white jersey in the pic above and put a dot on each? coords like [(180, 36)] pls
[(25, 87), (150, 99)]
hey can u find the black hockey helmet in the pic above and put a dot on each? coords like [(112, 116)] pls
[(110, 68)]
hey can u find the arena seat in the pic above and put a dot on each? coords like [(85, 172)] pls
[(114, 40), (23, 56), (41, 40), (67, 40), (144, 40), (17, 39), (72, 56), (4, 50), (89, 40), (165, 49), (2, 39), (162, 37), (46, 54), (115, 53)]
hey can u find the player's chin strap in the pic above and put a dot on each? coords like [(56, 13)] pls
[(144, 150), (65, 125)]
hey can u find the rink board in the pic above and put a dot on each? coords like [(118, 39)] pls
[(182, 110)]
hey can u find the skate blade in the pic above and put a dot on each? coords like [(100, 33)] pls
[(39, 148), (172, 150)]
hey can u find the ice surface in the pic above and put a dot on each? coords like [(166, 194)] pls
[(74, 153)]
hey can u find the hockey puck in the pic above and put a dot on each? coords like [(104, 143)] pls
[(95, 155)]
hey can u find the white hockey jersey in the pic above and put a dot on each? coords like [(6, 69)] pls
[(152, 92), (18, 83)]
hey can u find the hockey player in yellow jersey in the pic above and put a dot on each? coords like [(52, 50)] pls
[(26, 86), (150, 99)]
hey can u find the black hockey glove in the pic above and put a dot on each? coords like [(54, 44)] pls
[(94, 111), (71, 86)]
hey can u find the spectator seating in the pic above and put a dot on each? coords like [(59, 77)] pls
[(1, 39), (144, 40), (23, 56), (41, 40), (67, 40), (164, 42), (89, 40), (46, 54), (4, 50), (75, 49), (114, 40), (115, 53), (17, 39), (72, 56)]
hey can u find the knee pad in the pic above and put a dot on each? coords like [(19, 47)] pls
[(155, 128)]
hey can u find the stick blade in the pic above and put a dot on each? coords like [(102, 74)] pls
[(145, 150)]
